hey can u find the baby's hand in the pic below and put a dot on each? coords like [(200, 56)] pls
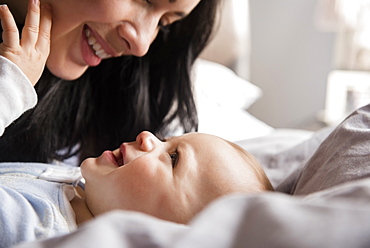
[(30, 52)]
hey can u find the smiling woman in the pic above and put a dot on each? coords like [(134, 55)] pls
[(112, 72)]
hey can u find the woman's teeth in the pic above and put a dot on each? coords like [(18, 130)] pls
[(99, 51)]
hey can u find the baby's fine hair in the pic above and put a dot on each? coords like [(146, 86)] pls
[(265, 184)]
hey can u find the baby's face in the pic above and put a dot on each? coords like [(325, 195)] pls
[(171, 179)]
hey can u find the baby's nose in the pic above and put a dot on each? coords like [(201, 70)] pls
[(146, 141)]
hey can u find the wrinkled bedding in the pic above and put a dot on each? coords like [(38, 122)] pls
[(322, 200), (285, 151)]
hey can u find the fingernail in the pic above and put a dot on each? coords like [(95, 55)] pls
[(3, 6), (36, 2)]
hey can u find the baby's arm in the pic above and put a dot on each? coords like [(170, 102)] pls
[(22, 61), (30, 52)]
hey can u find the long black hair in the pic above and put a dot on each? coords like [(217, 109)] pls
[(116, 100)]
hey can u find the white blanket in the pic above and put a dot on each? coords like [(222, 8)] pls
[(268, 220)]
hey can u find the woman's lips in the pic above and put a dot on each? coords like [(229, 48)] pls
[(94, 47), (88, 54), (103, 44)]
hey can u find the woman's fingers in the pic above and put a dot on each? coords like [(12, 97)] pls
[(43, 41), (10, 31), (30, 30)]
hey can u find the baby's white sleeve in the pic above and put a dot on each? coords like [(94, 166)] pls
[(17, 94)]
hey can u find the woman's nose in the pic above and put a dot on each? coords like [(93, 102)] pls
[(140, 34), (147, 141)]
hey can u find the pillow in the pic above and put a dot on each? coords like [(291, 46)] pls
[(344, 156), (219, 84), (230, 123), (222, 99)]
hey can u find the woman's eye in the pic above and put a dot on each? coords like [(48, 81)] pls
[(174, 157), (148, 2)]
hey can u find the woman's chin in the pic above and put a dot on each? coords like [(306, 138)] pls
[(68, 73)]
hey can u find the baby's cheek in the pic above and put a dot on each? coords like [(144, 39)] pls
[(86, 167), (148, 167)]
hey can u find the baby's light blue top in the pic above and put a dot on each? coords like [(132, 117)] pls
[(35, 201)]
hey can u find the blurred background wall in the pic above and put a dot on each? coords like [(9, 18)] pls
[(289, 48), (290, 61)]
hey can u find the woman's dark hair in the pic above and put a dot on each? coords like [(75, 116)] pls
[(116, 100)]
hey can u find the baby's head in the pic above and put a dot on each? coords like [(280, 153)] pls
[(172, 179)]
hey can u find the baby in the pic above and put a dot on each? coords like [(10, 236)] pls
[(172, 179)]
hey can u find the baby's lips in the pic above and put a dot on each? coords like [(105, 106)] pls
[(118, 156), (122, 154)]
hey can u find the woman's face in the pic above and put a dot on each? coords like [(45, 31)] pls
[(86, 31), (172, 179)]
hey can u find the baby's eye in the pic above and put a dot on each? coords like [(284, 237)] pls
[(174, 157)]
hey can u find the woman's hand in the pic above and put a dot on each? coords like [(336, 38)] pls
[(31, 51)]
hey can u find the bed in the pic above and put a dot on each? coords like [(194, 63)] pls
[(322, 182)]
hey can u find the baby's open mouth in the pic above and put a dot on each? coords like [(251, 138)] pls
[(119, 158)]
